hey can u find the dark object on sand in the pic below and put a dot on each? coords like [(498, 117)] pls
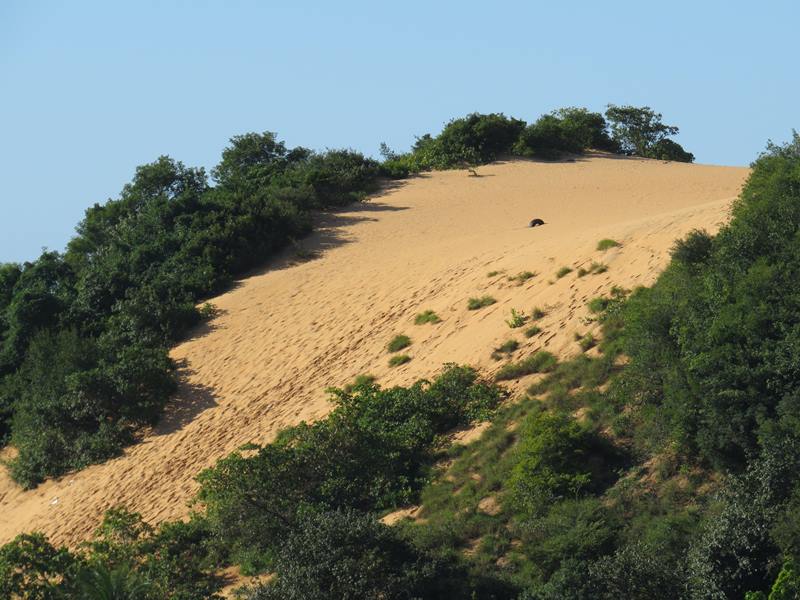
[(536, 222)]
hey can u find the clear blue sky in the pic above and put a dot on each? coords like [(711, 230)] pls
[(90, 90)]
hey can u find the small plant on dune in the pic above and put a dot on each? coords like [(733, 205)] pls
[(585, 341), (208, 311), (522, 277), (399, 342), (476, 303), (595, 268), (537, 313), (563, 271), (516, 320), (399, 359), (598, 305), (539, 362), (493, 273), (427, 316), (532, 331), (505, 349), (359, 381), (607, 243)]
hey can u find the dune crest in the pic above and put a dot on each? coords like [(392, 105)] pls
[(285, 334)]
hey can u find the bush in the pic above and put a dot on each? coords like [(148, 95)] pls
[(562, 272), (399, 359), (371, 453), (694, 249), (398, 343), (532, 331), (346, 554), (477, 303), (539, 362), (516, 320), (606, 244), (551, 462), (427, 316)]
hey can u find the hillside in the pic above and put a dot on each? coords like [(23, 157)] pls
[(286, 333)]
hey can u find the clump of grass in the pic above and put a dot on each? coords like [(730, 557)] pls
[(516, 320), (585, 341), (539, 362), (493, 273), (595, 268), (506, 348), (522, 277), (208, 311), (360, 380), (427, 316), (476, 303), (399, 359), (563, 271), (607, 243), (598, 305), (398, 343), (537, 313), (532, 331)]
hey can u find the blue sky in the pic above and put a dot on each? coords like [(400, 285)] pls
[(90, 90)]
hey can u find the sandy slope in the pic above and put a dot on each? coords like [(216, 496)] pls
[(287, 333)]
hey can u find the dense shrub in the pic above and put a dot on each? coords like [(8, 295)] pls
[(347, 554), (103, 314), (552, 462), (370, 453)]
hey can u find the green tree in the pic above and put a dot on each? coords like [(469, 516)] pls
[(640, 132)]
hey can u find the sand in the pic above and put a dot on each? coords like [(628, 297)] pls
[(286, 333)]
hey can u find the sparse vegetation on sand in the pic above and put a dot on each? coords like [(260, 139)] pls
[(532, 331), (563, 271), (399, 359), (505, 349), (538, 313), (516, 320), (607, 243), (427, 316), (522, 277), (398, 342), (478, 303), (539, 362)]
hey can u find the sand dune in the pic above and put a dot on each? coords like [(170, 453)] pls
[(283, 335)]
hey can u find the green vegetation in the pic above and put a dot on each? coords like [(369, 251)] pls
[(522, 277), (595, 268), (399, 359), (640, 132), (493, 273), (532, 331), (562, 272), (539, 362), (516, 320), (398, 343), (372, 452), (598, 305), (427, 316), (537, 313), (586, 341), (505, 349), (478, 303), (607, 243)]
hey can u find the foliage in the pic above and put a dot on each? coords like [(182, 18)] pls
[(348, 554), (607, 243), (427, 316), (399, 359), (562, 272), (639, 131), (539, 362), (371, 452), (398, 343), (477, 303), (551, 463), (516, 320), (84, 335)]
